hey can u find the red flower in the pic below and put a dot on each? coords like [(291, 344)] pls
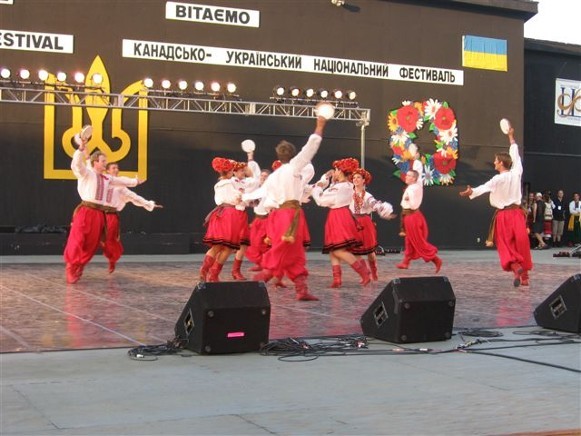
[(444, 164), (444, 118), (407, 117)]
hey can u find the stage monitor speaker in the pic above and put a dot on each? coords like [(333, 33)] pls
[(415, 309), (225, 317), (562, 309)]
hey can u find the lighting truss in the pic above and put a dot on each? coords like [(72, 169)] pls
[(166, 101)]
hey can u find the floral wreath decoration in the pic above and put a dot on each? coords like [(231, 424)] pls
[(404, 122)]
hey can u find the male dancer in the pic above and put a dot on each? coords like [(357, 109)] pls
[(118, 197), (415, 225), (287, 226), (88, 223), (508, 228)]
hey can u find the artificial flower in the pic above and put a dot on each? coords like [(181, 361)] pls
[(407, 117), (444, 118)]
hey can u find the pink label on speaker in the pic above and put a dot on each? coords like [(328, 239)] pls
[(235, 335)]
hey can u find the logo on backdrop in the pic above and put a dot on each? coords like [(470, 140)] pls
[(93, 106), (568, 102)]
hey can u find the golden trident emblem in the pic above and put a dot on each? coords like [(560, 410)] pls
[(95, 112)]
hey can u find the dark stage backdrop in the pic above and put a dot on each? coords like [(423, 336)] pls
[(174, 150)]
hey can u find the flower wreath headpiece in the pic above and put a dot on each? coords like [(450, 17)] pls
[(365, 174), (347, 165), (222, 165)]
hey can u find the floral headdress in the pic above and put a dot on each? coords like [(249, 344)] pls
[(347, 165), (222, 165), (365, 174)]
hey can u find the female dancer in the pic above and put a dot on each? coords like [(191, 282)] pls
[(246, 179), (225, 222), (362, 205), (341, 231)]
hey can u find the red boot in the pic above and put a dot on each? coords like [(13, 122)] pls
[(71, 273), (361, 268), (524, 278), (214, 273), (206, 265), (438, 262), (517, 271), (111, 266), (256, 268), (303, 290), (263, 276), (404, 264), (373, 269), (336, 276), (236, 274)]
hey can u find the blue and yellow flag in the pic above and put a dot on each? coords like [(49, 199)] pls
[(484, 53)]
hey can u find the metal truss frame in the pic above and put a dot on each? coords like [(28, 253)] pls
[(172, 101)]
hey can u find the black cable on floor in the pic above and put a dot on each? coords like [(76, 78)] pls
[(150, 353)]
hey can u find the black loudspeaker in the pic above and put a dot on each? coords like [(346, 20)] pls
[(415, 309), (562, 309), (225, 317)]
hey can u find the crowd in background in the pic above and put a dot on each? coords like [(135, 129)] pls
[(553, 220)]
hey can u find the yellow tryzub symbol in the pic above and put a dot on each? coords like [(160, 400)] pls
[(92, 106)]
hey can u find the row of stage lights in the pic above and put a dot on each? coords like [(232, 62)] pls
[(43, 75), (294, 93), (198, 88)]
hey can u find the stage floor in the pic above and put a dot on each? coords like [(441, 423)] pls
[(141, 301)]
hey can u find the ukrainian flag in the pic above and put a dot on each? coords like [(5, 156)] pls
[(484, 53)]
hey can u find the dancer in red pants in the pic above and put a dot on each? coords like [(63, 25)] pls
[(287, 228), (508, 229), (415, 225), (88, 224), (117, 198)]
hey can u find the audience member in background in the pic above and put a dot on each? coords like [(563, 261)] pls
[(538, 220), (547, 217), (574, 225), (528, 205), (558, 218)]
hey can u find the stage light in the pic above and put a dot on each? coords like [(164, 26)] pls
[(98, 79), (148, 82), (338, 3), (351, 95), (323, 93), (182, 85), (199, 85), (231, 88), (79, 77), (5, 73), (337, 94), (278, 91), (294, 92), (165, 84), (61, 76), (215, 86), (309, 93), (24, 74), (42, 75)]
